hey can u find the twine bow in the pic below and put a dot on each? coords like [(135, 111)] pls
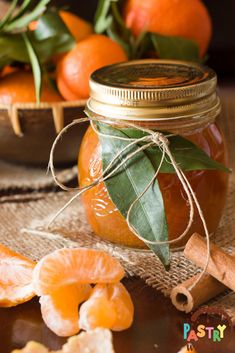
[(152, 138)]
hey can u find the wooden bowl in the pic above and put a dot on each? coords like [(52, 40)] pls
[(27, 131)]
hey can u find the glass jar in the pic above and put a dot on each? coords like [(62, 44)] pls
[(176, 97)]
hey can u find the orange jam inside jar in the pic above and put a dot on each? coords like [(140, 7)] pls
[(172, 96)]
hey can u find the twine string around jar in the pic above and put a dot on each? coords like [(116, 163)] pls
[(152, 138)]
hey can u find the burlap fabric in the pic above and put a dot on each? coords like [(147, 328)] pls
[(14, 176), (24, 220)]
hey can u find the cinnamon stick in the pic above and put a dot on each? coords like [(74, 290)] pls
[(221, 274), (187, 300)]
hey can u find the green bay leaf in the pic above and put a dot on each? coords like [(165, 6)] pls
[(51, 36), (13, 47), (187, 155), (148, 215), (169, 47)]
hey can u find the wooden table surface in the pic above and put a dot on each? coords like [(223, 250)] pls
[(158, 326)]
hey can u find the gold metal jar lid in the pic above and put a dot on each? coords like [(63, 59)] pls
[(153, 90)]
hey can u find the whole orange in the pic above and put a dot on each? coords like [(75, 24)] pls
[(184, 18), (19, 87), (78, 27), (75, 68)]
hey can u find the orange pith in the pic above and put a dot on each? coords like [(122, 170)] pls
[(60, 309), (109, 306), (70, 266), (18, 87), (183, 18), (75, 68), (15, 278)]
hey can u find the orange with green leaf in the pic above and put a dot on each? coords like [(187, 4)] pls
[(167, 29), (180, 18)]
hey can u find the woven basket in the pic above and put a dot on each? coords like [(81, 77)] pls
[(27, 131)]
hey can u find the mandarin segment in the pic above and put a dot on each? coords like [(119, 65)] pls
[(97, 311), (109, 306), (15, 278), (60, 309), (80, 265), (124, 308)]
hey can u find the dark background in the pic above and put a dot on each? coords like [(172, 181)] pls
[(222, 48)]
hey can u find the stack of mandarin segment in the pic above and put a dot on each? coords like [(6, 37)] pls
[(78, 288), (64, 279)]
